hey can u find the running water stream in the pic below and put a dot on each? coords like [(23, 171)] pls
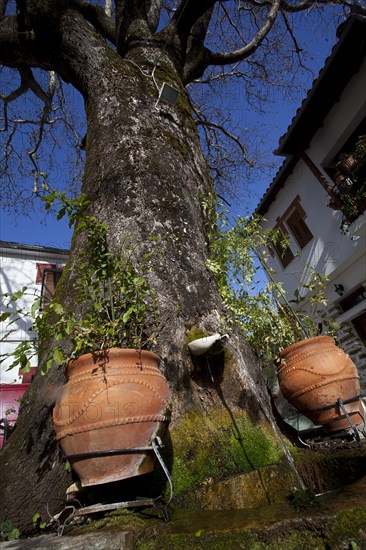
[(247, 377)]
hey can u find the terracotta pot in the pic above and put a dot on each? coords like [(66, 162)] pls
[(350, 164), (314, 374), (115, 399)]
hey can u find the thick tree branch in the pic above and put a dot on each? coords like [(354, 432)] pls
[(99, 18), (3, 4), (131, 23), (197, 65), (108, 8), (195, 57), (183, 24), (153, 9), (10, 48), (216, 58), (187, 15)]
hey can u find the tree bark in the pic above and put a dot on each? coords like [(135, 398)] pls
[(147, 177)]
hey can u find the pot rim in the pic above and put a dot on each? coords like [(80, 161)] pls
[(305, 341), (93, 356)]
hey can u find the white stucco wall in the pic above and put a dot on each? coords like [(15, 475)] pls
[(18, 268), (341, 257)]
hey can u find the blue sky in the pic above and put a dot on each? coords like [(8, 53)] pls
[(35, 230), (39, 229)]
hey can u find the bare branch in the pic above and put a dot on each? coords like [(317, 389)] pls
[(301, 6), (226, 133), (201, 120), (206, 56), (29, 83), (195, 67), (47, 109), (22, 89), (293, 7)]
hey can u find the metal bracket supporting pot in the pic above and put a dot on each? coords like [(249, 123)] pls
[(71, 511), (355, 430), (352, 424)]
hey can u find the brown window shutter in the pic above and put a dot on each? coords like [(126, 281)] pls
[(40, 270), (299, 228), (49, 282), (284, 253)]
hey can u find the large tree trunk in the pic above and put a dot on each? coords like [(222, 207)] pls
[(146, 175)]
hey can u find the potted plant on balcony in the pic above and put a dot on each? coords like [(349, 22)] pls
[(115, 396), (350, 179)]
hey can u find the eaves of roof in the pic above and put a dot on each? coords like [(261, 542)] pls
[(6, 245), (343, 62), (277, 184)]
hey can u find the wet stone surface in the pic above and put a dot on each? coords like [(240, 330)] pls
[(94, 541)]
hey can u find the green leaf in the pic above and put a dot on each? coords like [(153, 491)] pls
[(26, 367), (126, 316), (47, 367), (57, 308), (5, 315), (6, 526), (36, 518), (58, 356), (13, 535), (18, 294), (35, 307)]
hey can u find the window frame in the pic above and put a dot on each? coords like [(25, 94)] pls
[(304, 235), (287, 255), (284, 254)]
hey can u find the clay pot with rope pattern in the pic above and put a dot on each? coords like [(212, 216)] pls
[(114, 399), (313, 375)]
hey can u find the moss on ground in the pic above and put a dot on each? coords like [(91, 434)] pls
[(349, 527), (346, 531), (225, 541)]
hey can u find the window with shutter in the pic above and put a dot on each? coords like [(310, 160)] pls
[(298, 228), (40, 270), (294, 219), (282, 249), (49, 282), (284, 253)]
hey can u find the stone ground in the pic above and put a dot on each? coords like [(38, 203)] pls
[(335, 521), (332, 520)]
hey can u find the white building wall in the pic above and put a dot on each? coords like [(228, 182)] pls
[(338, 255), (341, 256), (18, 268), (341, 121)]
